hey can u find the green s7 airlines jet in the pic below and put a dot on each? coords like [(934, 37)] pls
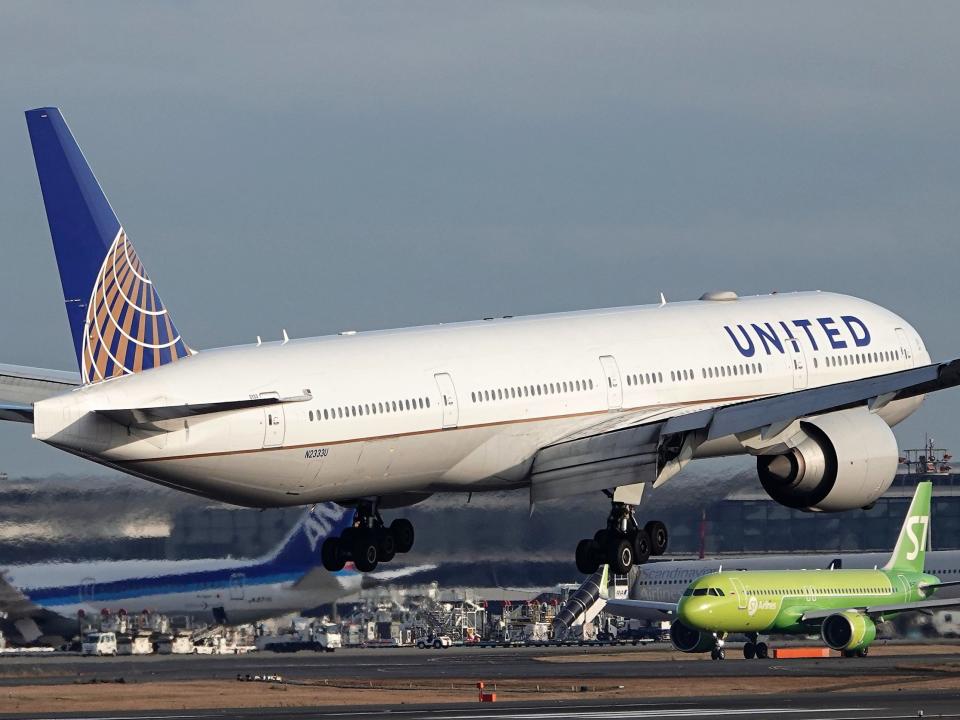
[(844, 605)]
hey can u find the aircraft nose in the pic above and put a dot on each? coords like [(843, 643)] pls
[(696, 613)]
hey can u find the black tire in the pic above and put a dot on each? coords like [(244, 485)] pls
[(749, 651), (330, 555), (600, 537), (388, 545), (763, 652), (587, 557), (365, 552), (721, 655), (437, 644), (641, 547), (657, 532), (620, 556), (862, 652), (403, 536), (713, 654)]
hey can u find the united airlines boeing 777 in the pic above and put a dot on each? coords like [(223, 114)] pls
[(609, 401)]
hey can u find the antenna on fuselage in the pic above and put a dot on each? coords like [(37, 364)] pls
[(663, 299), (286, 338), (259, 341)]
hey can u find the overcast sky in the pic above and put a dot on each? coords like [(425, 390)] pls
[(324, 166)]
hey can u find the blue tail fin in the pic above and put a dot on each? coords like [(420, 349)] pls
[(300, 549), (118, 323)]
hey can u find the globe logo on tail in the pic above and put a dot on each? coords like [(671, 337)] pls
[(127, 327)]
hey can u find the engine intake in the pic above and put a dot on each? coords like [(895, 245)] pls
[(848, 631), (846, 460), (686, 639)]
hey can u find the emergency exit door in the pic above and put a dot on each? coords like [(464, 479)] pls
[(273, 426)]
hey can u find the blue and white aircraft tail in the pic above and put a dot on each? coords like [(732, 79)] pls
[(46, 599), (118, 322)]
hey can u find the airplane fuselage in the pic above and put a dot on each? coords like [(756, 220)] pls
[(466, 406)]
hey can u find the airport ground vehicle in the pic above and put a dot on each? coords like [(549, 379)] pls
[(438, 642), (318, 636), (613, 400), (99, 643)]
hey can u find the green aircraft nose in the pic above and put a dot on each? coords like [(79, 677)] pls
[(697, 613)]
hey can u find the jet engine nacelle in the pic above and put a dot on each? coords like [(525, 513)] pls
[(848, 631), (686, 639), (845, 460)]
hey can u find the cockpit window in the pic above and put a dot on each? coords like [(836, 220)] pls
[(717, 592), (700, 591)]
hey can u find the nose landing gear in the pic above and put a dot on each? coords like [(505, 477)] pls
[(368, 542), (623, 543)]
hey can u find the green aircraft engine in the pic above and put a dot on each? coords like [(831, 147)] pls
[(686, 639), (848, 631)]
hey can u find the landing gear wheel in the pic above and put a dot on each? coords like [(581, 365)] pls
[(641, 547), (862, 652), (600, 537), (620, 557), (749, 651), (402, 531), (587, 561), (330, 555), (387, 546), (717, 654), (657, 532), (763, 652), (365, 552)]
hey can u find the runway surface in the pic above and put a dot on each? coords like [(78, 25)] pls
[(485, 664), (806, 707), (895, 682)]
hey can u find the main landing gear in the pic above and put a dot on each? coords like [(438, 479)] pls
[(368, 542), (755, 649), (622, 544)]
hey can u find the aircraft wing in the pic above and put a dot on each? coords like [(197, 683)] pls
[(20, 387), (629, 449), (877, 610), (636, 608)]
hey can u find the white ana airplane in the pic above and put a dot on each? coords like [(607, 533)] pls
[(595, 401), (46, 599)]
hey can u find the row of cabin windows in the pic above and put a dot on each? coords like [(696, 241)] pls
[(823, 591), (859, 358), (377, 408), (522, 391), (796, 591)]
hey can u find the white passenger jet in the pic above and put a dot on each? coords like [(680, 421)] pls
[(46, 599), (581, 402)]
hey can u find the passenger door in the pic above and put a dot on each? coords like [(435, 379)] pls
[(448, 399), (741, 593), (614, 390), (236, 586), (798, 362)]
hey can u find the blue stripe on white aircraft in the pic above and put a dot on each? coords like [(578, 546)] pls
[(47, 598), (613, 400)]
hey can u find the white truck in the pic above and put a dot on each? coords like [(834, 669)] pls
[(99, 643), (317, 636)]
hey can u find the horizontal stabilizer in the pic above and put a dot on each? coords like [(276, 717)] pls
[(27, 385), (14, 412), (146, 416)]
